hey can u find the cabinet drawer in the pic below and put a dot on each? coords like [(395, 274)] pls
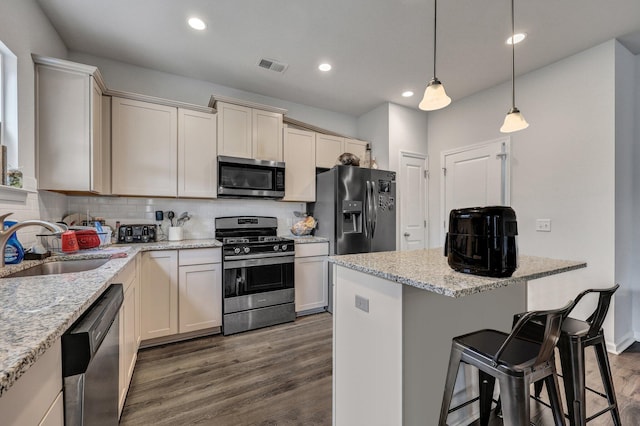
[(199, 256), (312, 249)]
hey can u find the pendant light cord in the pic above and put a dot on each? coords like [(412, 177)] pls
[(435, 23), (513, 59)]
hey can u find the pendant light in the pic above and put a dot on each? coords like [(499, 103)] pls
[(514, 120), (434, 95)]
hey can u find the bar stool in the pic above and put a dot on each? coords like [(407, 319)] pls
[(575, 336), (514, 361)]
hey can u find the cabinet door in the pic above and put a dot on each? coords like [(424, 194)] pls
[(358, 148), (144, 148), (197, 162), (128, 343), (311, 283), (300, 172), (64, 102), (55, 415), (159, 294), (267, 135), (328, 149), (95, 174), (200, 297), (234, 130)]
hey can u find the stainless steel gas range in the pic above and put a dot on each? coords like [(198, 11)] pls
[(258, 280)]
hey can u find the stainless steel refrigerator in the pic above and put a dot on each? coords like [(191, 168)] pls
[(356, 210)]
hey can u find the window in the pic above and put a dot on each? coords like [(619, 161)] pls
[(9, 103)]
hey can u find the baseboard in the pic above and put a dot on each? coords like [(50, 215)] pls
[(619, 347)]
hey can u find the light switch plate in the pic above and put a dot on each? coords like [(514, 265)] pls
[(362, 303), (543, 225)]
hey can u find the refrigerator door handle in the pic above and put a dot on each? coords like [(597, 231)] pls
[(365, 210), (374, 206)]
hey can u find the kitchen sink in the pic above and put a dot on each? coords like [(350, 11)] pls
[(60, 267)]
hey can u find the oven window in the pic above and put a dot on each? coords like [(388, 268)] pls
[(257, 279), (246, 177)]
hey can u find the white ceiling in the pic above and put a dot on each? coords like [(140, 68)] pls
[(378, 48)]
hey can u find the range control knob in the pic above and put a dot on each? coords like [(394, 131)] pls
[(284, 247), (236, 250), (246, 250), (276, 247)]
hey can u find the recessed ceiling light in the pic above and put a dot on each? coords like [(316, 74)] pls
[(407, 94), (518, 37), (324, 67), (197, 24)]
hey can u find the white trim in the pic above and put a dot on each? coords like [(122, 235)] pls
[(13, 195), (219, 98), (506, 141)]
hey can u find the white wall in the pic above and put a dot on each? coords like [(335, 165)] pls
[(636, 207), (563, 166), (374, 128), (130, 78), (626, 254), (24, 30), (407, 132)]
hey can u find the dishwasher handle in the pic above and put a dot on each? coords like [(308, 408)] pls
[(84, 337)]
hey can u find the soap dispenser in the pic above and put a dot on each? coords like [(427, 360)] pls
[(13, 252)]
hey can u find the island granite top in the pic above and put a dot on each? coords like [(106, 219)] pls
[(35, 311), (428, 269)]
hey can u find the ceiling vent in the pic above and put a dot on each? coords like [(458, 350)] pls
[(272, 65)]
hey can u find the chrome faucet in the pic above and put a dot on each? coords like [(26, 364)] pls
[(5, 234)]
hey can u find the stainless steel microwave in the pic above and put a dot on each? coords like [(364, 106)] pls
[(246, 177)]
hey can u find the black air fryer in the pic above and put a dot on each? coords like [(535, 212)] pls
[(482, 241)]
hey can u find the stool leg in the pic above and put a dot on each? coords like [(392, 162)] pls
[(572, 361), (554, 398), (452, 374), (513, 394), (538, 388), (607, 380), (487, 383)]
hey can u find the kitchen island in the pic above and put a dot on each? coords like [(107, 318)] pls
[(395, 314)]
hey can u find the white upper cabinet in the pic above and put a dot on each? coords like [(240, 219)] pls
[(234, 130), (69, 148), (143, 148), (267, 135), (358, 148), (249, 133), (328, 149), (300, 160), (197, 166)]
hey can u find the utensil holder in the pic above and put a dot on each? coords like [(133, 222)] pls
[(175, 233)]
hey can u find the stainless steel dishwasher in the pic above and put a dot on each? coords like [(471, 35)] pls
[(90, 360)]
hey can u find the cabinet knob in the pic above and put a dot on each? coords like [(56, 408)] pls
[(406, 234)]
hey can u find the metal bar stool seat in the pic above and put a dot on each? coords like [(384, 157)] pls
[(575, 336), (513, 361)]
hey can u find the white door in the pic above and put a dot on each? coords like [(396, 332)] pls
[(476, 175), (413, 201)]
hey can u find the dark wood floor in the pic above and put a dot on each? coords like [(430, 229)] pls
[(279, 375), (282, 376)]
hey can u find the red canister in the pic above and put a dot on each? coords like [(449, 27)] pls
[(69, 242), (87, 239)]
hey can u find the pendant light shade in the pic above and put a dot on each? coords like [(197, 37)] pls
[(514, 120), (435, 96)]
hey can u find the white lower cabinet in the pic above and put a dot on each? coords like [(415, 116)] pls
[(129, 327), (200, 293), (159, 294), (181, 292), (311, 277), (36, 398)]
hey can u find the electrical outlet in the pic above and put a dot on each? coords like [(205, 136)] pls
[(543, 225), (362, 303)]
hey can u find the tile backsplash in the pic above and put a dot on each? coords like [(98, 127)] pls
[(132, 210)]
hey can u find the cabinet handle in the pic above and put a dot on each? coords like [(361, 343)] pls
[(406, 234)]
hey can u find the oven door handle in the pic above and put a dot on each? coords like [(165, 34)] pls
[(247, 263)]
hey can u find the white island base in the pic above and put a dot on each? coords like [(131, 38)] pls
[(392, 341)]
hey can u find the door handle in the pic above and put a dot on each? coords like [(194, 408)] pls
[(406, 234)]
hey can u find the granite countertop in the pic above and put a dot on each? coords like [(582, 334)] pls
[(428, 269), (306, 239), (35, 311)]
